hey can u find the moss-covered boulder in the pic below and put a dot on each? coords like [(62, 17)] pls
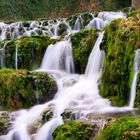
[(20, 88), (121, 40), (137, 98), (126, 128), (82, 43), (75, 130), (30, 51)]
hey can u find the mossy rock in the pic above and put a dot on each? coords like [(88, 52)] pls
[(5, 122), (20, 88), (137, 98), (82, 43), (126, 128), (30, 51), (62, 28), (72, 20), (75, 130), (87, 17), (121, 40)]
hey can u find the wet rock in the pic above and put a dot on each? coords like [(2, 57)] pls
[(26, 24), (86, 18), (45, 23), (5, 122), (48, 113), (62, 28), (38, 31), (71, 114)]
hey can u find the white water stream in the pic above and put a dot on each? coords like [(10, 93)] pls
[(134, 82), (58, 57), (16, 57), (78, 93)]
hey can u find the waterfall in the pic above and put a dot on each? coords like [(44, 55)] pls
[(56, 27), (16, 57), (58, 57), (77, 93), (134, 82), (45, 133), (2, 57), (95, 58), (78, 23)]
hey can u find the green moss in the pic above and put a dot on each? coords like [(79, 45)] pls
[(120, 41), (4, 122), (137, 99), (126, 128), (30, 51), (82, 43), (74, 130), (20, 88)]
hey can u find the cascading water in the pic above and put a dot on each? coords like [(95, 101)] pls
[(78, 23), (58, 57), (95, 58), (16, 57), (134, 82), (2, 57), (78, 93)]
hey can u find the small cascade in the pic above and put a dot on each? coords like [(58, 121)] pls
[(58, 57), (134, 82), (96, 23), (96, 58), (2, 58), (45, 133), (16, 57), (103, 19), (78, 23), (56, 27)]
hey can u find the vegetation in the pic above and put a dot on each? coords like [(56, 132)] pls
[(30, 51), (20, 88), (121, 39), (114, 4), (82, 43), (126, 128), (74, 130), (33, 9), (137, 99)]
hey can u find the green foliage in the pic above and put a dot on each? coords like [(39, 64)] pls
[(126, 128), (30, 51), (33, 9), (20, 88), (74, 130), (120, 42), (114, 4), (82, 43)]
